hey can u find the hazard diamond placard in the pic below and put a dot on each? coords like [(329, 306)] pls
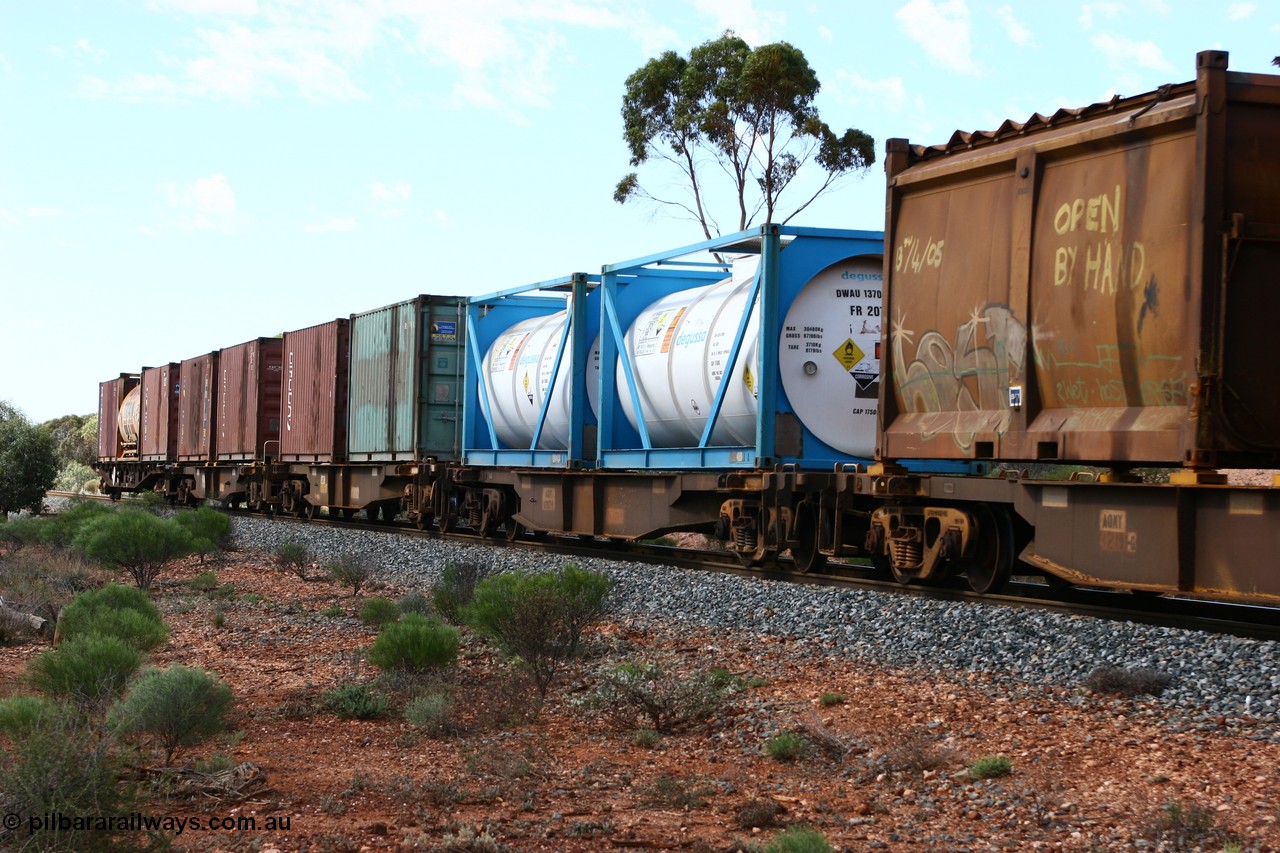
[(848, 354)]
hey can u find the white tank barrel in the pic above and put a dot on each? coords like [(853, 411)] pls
[(517, 374), (679, 347), (130, 415)]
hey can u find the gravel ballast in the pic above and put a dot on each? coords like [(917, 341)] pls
[(1215, 680)]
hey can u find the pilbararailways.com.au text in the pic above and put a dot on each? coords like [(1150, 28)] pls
[(138, 822)]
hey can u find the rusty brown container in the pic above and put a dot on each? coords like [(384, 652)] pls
[(1094, 286), (158, 428), (249, 381), (112, 397), (197, 408), (313, 399)]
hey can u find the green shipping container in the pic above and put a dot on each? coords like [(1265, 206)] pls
[(406, 372)]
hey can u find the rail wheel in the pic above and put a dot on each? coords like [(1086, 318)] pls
[(389, 512), (991, 565), (513, 529), (805, 553), (306, 511)]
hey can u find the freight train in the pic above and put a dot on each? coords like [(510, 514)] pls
[(1091, 293)]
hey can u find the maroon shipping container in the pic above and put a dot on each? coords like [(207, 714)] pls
[(158, 430), (249, 400), (197, 401), (313, 400), (112, 396)]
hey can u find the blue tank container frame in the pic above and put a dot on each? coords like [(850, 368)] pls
[(488, 318), (788, 258)]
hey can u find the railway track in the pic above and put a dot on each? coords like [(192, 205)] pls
[(1240, 620)]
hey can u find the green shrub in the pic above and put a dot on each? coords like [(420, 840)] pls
[(204, 581), (355, 702), (785, 746), (432, 712), (673, 792), (829, 699), (115, 610), (134, 540), (19, 713), (415, 602), (60, 531), (351, 570), (799, 839), (87, 670), (415, 644), (20, 532), (377, 612), (663, 701), (539, 618), (295, 557), (333, 611), (646, 738), (990, 766), (758, 813), (455, 590), (209, 528), (64, 765), (72, 475), (173, 707)]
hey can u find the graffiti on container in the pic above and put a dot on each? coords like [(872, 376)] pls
[(970, 372), (914, 254), (1100, 382), (1103, 264)]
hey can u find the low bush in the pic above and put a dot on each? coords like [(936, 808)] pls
[(115, 610), (377, 612), (204, 581), (431, 712), (455, 590), (415, 602), (350, 569), (665, 702), (134, 540), (990, 767), (829, 699), (88, 670), (60, 530), (209, 528), (672, 792), (799, 839), (1127, 682), (356, 702), (415, 644), (785, 746), (19, 713), (295, 557), (758, 813), (539, 618), (173, 707)]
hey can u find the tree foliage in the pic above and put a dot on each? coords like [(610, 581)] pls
[(174, 707), (28, 462), (134, 540), (747, 112)]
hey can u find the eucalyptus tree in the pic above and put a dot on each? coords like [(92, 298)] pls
[(745, 113)]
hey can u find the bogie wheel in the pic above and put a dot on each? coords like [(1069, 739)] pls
[(306, 511), (805, 553), (389, 512), (991, 565), (513, 529), (422, 521)]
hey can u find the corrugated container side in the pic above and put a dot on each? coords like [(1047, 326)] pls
[(405, 377), (313, 400), (1092, 287), (249, 382), (383, 395), (442, 335), (197, 408), (110, 395), (158, 441)]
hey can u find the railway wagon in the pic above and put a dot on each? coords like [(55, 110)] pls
[(1092, 286), (724, 387)]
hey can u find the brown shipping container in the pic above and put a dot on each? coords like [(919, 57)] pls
[(249, 400), (1098, 285), (111, 395), (197, 402), (158, 430), (313, 400)]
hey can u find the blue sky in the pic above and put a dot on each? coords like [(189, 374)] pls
[(181, 175)]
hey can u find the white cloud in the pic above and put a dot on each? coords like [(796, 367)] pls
[(42, 212), (206, 204), (824, 32), (332, 225), (1104, 10), (1240, 11), (134, 88), (208, 7), (84, 50), (888, 94), (390, 200), (7, 218), (755, 26), (1124, 53), (941, 27), (442, 217), (1013, 28)]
